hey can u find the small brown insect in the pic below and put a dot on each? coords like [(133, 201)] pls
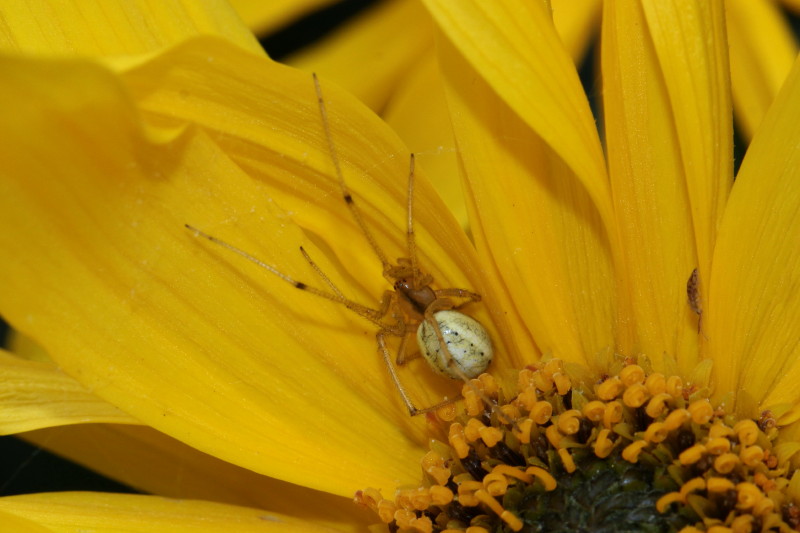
[(766, 420), (693, 294), (455, 345)]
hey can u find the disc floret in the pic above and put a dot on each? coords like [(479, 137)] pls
[(635, 451)]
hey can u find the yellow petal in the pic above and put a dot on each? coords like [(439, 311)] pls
[(689, 39), (128, 513), (762, 49), (11, 522), (516, 50), (263, 17), (647, 127), (370, 55), (108, 28), (535, 226), (754, 309), (418, 113), (188, 337), (37, 395), (154, 463)]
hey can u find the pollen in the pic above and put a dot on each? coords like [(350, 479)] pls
[(551, 452)]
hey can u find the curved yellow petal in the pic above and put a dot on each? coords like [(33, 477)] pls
[(152, 462), (536, 228), (576, 22), (418, 113), (754, 308), (263, 17), (692, 48), (109, 28), (762, 50), (189, 337), (516, 50), (36, 395), (129, 513), (371, 54)]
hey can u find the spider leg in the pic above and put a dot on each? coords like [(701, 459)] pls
[(467, 296), (403, 356)]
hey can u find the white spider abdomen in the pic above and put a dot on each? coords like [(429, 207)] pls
[(467, 341)]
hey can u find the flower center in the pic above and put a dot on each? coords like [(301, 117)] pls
[(637, 451)]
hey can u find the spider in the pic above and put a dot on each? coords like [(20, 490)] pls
[(454, 345)]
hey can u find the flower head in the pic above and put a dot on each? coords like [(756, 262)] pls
[(581, 251)]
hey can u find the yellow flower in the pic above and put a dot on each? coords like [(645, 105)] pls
[(581, 253)]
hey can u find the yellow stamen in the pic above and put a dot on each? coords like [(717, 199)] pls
[(433, 464), (692, 485), (458, 440), (541, 412), (635, 395), (513, 522), (386, 510), (701, 411), (447, 413), (510, 471), (603, 445), (528, 398), (726, 462), (656, 432), (718, 446), (495, 484), (747, 431), (631, 375), (553, 436), (676, 419), (523, 430), (441, 495), (473, 402), (675, 386), (542, 382), (632, 450), (566, 460), (422, 524), (656, 384), (563, 383), (742, 524), (719, 484), (663, 503), (657, 404), (690, 456), (752, 455), (763, 507), (544, 476), (612, 414), (569, 422), (594, 410), (610, 389), (749, 495), (466, 493)]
